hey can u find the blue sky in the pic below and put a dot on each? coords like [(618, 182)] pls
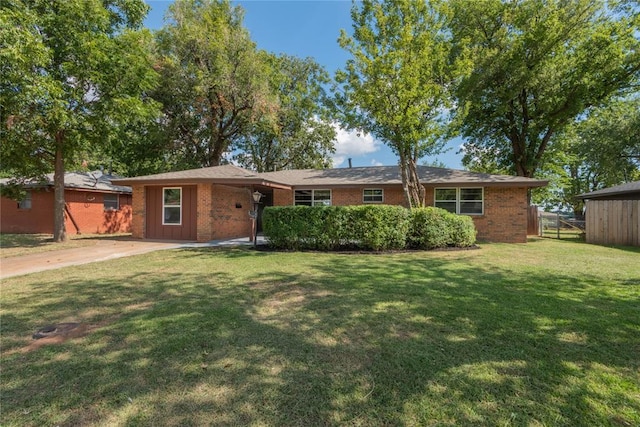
[(311, 29)]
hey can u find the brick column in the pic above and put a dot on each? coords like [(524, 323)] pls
[(138, 205), (205, 196)]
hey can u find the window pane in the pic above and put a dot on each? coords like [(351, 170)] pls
[(322, 195), (26, 202), (172, 196), (445, 193), (303, 197), (171, 215), (450, 206), (110, 202), (322, 198), (471, 208), (471, 194), (373, 195)]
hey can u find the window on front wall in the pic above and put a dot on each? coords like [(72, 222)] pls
[(25, 203), (171, 206), (110, 202), (464, 201), (373, 195), (312, 198)]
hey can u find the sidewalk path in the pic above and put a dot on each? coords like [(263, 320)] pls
[(103, 250)]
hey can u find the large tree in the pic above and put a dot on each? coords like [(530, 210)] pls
[(299, 134), (395, 86), (70, 72), (213, 84), (597, 151), (533, 67)]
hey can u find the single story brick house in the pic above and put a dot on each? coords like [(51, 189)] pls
[(93, 205), (214, 203)]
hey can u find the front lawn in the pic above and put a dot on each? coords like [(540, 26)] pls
[(546, 333)]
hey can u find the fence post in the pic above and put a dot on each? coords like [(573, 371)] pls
[(558, 224)]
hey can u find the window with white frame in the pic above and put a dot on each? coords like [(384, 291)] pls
[(312, 198), (110, 202), (25, 203), (464, 201), (373, 195), (172, 206)]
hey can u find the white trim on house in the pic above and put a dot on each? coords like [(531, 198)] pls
[(171, 206), (310, 197), (374, 194), (451, 200)]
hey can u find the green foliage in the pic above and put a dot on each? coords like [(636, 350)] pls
[(366, 227), (396, 84), (432, 228), (298, 135), (373, 228), (213, 82), (533, 67), (599, 151), (379, 227), (72, 74)]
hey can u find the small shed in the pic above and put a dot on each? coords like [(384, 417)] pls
[(613, 215)]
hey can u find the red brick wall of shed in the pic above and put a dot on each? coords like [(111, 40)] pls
[(86, 207), (230, 208)]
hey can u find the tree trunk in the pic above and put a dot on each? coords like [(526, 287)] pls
[(59, 229), (414, 192)]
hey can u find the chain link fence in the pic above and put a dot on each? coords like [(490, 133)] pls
[(560, 226)]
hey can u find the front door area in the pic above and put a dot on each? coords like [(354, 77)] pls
[(171, 212)]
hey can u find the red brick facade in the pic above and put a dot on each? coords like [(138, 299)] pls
[(86, 208), (223, 210), (504, 218)]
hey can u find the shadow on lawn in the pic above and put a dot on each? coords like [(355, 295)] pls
[(352, 340)]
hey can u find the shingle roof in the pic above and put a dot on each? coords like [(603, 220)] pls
[(390, 175), (224, 174), (628, 188), (96, 180), (374, 175)]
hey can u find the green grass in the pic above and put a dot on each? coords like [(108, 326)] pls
[(542, 334), (25, 244)]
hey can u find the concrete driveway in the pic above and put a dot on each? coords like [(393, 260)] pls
[(103, 250)]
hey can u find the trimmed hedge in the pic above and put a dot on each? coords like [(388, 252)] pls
[(433, 228), (365, 227)]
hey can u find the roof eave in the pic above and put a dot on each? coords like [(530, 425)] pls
[(187, 181)]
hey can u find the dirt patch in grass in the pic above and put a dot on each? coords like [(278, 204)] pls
[(62, 332)]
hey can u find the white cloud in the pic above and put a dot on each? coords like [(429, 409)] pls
[(374, 162), (352, 144)]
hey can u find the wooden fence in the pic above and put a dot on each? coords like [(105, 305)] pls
[(533, 226), (613, 222)]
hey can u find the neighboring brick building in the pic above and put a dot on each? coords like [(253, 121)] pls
[(214, 203), (93, 205)]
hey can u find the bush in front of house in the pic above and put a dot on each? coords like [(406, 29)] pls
[(375, 228), (365, 227), (378, 227), (432, 228)]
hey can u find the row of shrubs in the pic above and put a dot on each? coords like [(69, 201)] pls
[(368, 227)]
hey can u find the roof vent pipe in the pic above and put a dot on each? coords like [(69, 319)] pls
[(349, 162)]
